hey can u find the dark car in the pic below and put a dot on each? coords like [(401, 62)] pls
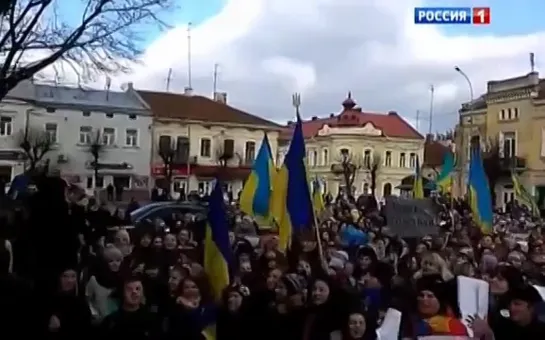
[(165, 210)]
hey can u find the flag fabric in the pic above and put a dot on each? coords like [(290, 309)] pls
[(445, 177), (523, 196), (479, 192), (418, 186), (291, 204), (217, 249), (256, 195), (317, 197)]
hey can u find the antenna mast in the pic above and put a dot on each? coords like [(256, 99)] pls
[(296, 102), (215, 79), (169, 78), (417, 119), (432, 90), (189, 56)]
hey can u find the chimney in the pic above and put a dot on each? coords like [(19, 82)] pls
[(188, 91), (290, 122), (314, 118), (220, 97), (357, 109), (392, 113), (429, 137), (331, 115)]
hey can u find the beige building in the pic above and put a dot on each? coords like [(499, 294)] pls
[(511, 113), (368, 138), (209, 139)]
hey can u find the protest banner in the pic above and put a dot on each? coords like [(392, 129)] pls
[(407, 217)]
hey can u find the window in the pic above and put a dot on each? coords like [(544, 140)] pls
[(6, 127), (50, 110), (206, 147), (314, 158), (108, 136), (345, 154), (165, 145), (99, 183), (412, 160), (365, 188), (388, 158), (325, 157), (402, 160), (132, 117), (85, 135), (204, 188), (509, 144), (109, 115), (182, 150), (228, 148), (51, 132), (367, 159), (387, 190), (86, 113), (131, 137), (249, 152), (509, 114)]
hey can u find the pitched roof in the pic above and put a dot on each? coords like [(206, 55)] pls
[(181, 106), (391, 124)]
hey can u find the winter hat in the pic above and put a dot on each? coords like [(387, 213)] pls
[(525, 293), (433, 283), (294, 283)]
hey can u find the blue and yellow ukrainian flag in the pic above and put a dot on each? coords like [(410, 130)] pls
[(444, 179), (418, 186), (523, 196), (256, 194), (217, 249), (317, 197), (479, 193), (291, 204), (218, 255)]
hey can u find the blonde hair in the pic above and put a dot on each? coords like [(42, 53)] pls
[(439, 263)]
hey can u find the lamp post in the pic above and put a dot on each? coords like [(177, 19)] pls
[(460, 124)]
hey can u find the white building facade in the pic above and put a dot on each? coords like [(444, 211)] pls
[(74, 119)]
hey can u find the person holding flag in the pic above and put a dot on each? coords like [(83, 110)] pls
[(291, 204), (445, 177), (317, 197)]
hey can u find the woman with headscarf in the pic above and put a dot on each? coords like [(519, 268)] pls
[(432, 315)]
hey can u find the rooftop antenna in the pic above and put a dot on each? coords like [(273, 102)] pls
[(108, 85), (169, 78), (432, 90), (189, 56), (417, 119), (215, 78), (532, 61)]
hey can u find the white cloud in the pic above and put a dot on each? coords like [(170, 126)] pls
[(268, 49)]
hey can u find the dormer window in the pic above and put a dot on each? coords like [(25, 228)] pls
[(109, 115), (50, 110)]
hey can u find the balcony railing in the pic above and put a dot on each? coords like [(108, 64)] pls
[(517, 163)]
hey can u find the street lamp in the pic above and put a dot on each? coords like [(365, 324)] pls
[(460, 124)]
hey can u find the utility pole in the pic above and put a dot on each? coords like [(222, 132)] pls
[(189, 83), (215, 88), (432, 90), (169, 78), (417, 120)]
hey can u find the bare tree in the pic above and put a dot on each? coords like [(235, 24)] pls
[(224, 156), (35, 144), (96, 149), (348, 167), (167, 154), (105, 38), (373, 168)]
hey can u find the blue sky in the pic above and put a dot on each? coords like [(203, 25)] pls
[(194, 11), (507, 17)]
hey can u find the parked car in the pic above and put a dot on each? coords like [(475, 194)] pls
[(164, 210)]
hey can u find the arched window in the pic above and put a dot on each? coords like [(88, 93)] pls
[(387, 190), (365, 188)]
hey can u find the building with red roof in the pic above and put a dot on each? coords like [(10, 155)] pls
[(377, 150)]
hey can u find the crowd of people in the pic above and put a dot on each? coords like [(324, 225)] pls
[(69, 271)]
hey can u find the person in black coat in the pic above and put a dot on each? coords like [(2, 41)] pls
[(133, 320), (67, 314)]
